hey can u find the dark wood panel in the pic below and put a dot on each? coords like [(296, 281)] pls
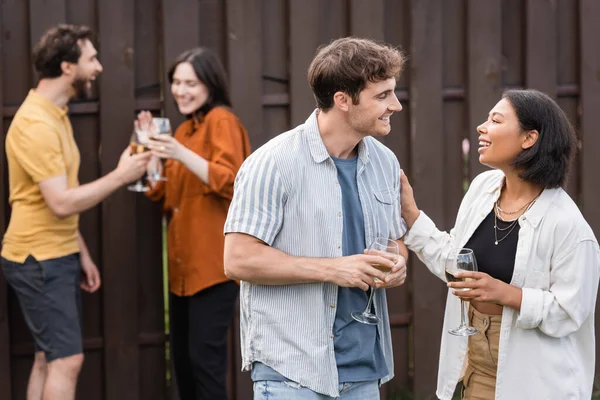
[(397, 30), (454, 38), (82, 13), (153, 383), (177, 14), (147, 38), (456, 167), (427, 179), (484, 38), (541, 39), (151, 307), (16, 46), (513, 43), (44, 14), (275, 70), (212, 26), (87, 136), (367, 19), (90, 385), (590, 104), (5, 370), (567, 28), (244, 21), (119, 233), (303, 47)]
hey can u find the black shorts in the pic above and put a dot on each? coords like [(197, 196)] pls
[(50, 298)]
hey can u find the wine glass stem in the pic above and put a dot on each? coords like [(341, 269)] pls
[(368, 307), (463, 311)]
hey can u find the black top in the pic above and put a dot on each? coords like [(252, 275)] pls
[(498, 261)]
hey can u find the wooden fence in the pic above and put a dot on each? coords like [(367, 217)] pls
[(462, 54)]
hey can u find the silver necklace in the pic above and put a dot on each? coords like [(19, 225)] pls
[(513, 222)]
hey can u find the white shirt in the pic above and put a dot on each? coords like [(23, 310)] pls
[(547, 350)]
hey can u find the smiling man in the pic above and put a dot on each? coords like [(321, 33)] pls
[(44, 257), (305, 207)]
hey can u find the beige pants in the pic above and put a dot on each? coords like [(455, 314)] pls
[(480, 376)]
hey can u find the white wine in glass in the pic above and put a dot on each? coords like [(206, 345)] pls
[(389, 249), (138, 144), (461, 260), (160, 126)]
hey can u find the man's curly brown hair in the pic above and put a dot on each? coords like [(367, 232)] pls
[(347, 64), (58, 44)]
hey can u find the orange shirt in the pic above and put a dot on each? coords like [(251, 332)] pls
[(195, 237)]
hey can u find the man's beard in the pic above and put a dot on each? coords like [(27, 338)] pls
[(80, 86)]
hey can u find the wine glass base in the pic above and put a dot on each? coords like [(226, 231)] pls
[(463, 331), (365, 318), (138, 187)]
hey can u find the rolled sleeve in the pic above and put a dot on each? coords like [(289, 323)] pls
[(257, 205), (230, 148), (41, 154), (532, 301), (571, 297), (419, 234)]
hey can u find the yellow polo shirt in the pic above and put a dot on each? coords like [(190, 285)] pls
[(39, 145)]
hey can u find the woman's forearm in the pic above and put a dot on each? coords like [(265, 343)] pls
[(196, 164)]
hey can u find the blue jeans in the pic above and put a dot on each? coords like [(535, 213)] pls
[(274, 390)]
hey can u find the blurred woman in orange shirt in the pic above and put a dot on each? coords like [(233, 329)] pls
[(202, 159)]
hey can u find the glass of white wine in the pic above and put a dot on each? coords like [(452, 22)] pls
[(138, 144), (160, 126), (389, 249), (461, 260)]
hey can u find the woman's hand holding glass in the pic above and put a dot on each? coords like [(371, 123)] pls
[(459, 261), (481, 287), (164, 146)]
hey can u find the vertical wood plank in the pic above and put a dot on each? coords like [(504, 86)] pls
[(244, 20), (275, 68), (119, 233), (590, 104), (427, 150), (44, 14), (367, 19), (541, 48), (5, 370), (177, 14), (304, 40), (484, 35), (212, 27)]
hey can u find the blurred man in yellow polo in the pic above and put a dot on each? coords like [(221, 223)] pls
[(44, 257)]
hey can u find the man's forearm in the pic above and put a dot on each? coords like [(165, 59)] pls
[(84, 197), (83, 250), (261, 264)]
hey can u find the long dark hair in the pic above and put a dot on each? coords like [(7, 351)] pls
[(210, 72)]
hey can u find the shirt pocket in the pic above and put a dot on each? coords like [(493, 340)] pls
[(383, 211)]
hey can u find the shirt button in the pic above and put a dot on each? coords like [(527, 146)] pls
[(331, 336), (176, 209), (332, 306), (339, 246), (340, 214)]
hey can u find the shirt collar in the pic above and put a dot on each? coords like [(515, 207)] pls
[(47, 104), (317, 147), (538, 210)]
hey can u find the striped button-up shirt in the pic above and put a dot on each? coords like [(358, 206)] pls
[(287, 195)]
